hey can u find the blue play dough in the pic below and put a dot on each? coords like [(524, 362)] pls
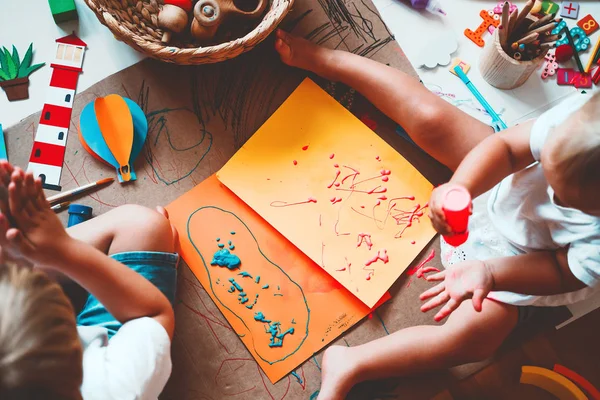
[(90, 130), (223, 258)]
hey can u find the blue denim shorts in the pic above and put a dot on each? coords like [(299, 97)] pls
[(159, 268)]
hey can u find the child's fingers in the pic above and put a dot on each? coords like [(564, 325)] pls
[(435, 302), (5, 172), (450, 306), (40, 199), (478, 296), (434, 291), (440, 276), (16, 239)]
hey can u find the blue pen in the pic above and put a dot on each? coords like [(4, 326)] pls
[(497, 122)]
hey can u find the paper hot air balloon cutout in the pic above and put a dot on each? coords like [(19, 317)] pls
[(113, 129)]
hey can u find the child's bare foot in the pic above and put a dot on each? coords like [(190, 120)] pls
[(299, 52), (38, 234), (337, 374)]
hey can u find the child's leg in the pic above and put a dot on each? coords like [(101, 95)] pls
[(127, 228), (442, 130), (467, 336)]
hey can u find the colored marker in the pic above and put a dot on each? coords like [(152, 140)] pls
[(74, 192), (575, 54), (497, 122), (60, 207), (3, 155)]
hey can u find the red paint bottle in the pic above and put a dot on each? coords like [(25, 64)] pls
[(457, 208)]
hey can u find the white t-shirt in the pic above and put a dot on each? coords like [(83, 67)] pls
[(134, 365), (522, 209)]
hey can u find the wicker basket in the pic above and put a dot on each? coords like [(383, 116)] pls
[(135, 22)]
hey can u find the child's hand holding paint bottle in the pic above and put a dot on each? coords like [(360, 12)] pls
[(449, 210)]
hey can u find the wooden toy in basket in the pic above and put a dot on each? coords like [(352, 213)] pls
[(191, 32)]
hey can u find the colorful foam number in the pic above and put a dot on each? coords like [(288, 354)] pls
[(466, 67), (489, 19), (569, 9), (550, 66), (588, 24), (93, 140), (545, 7), (580, 38), (500, 5)]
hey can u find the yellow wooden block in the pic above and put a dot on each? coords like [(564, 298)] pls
[(551, 382), (463, 65)]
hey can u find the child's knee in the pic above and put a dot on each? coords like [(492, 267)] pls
[(150, 230)]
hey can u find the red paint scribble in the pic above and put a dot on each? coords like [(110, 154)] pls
[(305, 148), (381, 255), (385, 172), (295, 162), (406, 218), (331, 156), (337, 175), (348, 265), (385, 178), (378, 158), (335, 200), (336, 165), (337, 184), (353, 175), (364, 238), (286, 204), (419, 267)]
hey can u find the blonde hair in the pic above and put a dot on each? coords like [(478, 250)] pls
[(40, 351)]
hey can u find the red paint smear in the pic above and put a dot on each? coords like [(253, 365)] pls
[(413, 242), (385, 172), (415, 270), (407, 218), (378, 158), (337, 184), (382, 197), (295, 162), (337, 174), (335, 200), (364, 238), (331, 156), (354, 175), (366, 180), (374, 190), (385, 178), (365, 119), (381, 255), (305, 148), (285, 204), (336, 165)]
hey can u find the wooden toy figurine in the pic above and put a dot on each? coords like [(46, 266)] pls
[(210, 14), (173, 17)]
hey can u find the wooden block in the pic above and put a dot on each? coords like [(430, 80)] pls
[(551, 382), (582, 81), (588, 24), (463, 65), (63, 10), (545, 7), (569, 9), (489, 18)]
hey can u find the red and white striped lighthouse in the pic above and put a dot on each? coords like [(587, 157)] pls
[(50, 142)]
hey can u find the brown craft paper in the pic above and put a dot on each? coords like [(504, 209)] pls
[(502, 71), (198, 117)]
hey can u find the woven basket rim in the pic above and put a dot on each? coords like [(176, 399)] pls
[(277, 10)]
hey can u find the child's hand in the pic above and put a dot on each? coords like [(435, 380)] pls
[(436, 212), (469, 279)]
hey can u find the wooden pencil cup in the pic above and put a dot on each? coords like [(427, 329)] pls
[(501, 70)]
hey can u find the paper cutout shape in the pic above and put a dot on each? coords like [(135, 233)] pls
[(350, 202), (580, 39), (275, 281), (438, 52), (569, 9), (489, 19), (588, 24), (466, 67), (3, 155), (93, 141)]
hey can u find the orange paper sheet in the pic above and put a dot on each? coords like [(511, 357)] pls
[(336, 190), (284, 285)]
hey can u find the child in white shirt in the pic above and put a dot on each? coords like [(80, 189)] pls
[(124, 258), (537, 242)]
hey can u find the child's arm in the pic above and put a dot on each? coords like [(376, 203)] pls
[(476, 279), (492, 160), (41, 238)]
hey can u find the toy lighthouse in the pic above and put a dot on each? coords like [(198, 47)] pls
[(50, 142)]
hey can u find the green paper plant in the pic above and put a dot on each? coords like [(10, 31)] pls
[(12, 67)]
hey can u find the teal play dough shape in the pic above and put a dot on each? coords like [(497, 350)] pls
[(90, 130), (246, 316), (223, 258)]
